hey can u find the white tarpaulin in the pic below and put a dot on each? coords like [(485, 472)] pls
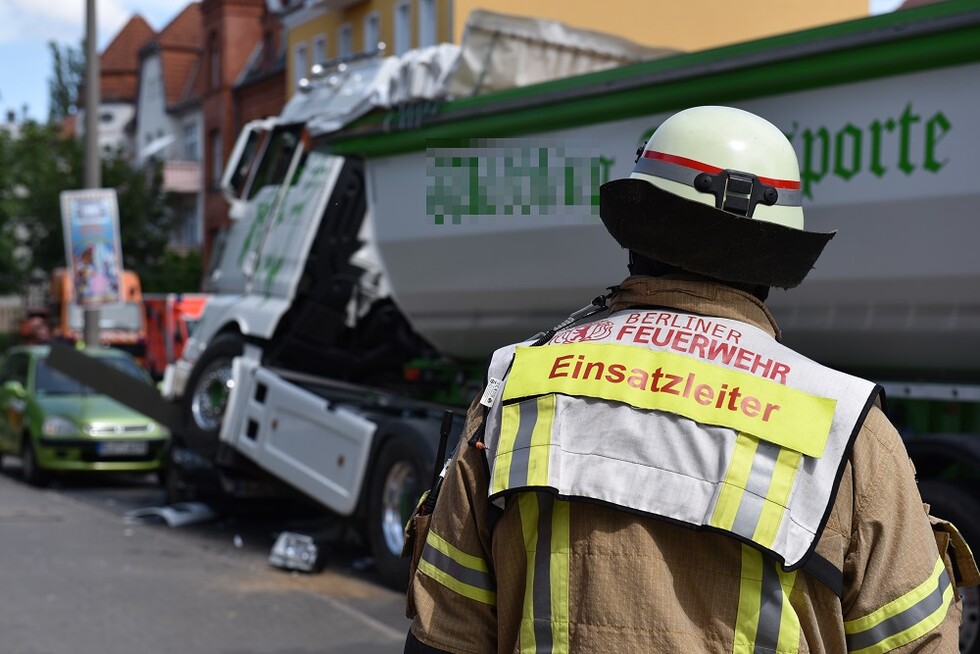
[(498, 52)]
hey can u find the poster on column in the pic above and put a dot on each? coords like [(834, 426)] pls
[(93, 251)]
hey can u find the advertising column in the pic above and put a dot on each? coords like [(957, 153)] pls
[(93, 252)]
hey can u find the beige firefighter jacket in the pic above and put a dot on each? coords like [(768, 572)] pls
[(546, 575)]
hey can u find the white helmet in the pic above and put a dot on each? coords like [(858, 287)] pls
[(716, 191), (729, 159)]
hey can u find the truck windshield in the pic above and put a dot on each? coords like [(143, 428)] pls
[(126, 317)]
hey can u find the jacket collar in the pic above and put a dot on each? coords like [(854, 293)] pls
[(696, 296)]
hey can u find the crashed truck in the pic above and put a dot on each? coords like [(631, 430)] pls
[(404, 216)]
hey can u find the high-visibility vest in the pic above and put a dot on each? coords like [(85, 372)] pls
[(705, 421)]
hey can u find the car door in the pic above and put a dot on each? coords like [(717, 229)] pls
[(13, 400)]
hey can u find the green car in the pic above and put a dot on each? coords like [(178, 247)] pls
[(57, 424)]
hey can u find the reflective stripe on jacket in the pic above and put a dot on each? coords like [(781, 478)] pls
[(706, 421), (574, 576)]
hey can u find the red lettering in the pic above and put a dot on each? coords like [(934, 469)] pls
[(742, 360), (643, 334), (721, 396), (632, 318), (718, 348), (751, 406), (733, 396), (559, 364), (779, 370), (703, 394), (624, 330), (662, 342), (663, 319), (616, 373), (769, 409), (672, 380), (698, 344), (765, 364), (638, 379), (578, 366), (734, 336), (598, 366), (680, 341), (687, 386), (657, 375)]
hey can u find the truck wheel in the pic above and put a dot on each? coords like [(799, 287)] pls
[(951, 502), (33, 473), (204, 402), (396, 487)]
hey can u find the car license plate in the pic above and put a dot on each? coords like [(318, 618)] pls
[(123, 448)]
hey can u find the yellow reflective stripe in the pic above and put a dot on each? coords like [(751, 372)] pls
[(560, 552), (510, 420), (787, 464), (733, 486), (540, 451), (650, 379), (457, 586), (904, 619), (456, 554), (749, 600), (527, 504), (458, 571), (789, 621), (765, 620), (545, 617)]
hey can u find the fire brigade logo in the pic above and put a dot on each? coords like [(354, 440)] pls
[(592, 332)]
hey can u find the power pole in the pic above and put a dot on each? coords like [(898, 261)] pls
[(93, 164)]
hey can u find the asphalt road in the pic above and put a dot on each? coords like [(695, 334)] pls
[(78, 577)]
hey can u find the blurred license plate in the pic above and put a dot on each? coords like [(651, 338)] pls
[(123, 448)]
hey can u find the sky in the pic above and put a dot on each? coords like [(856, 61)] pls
[(26, 27)]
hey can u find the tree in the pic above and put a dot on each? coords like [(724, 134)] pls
[(68, 70), (36, 167)]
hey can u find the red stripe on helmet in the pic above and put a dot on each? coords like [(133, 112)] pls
[(708, 168)]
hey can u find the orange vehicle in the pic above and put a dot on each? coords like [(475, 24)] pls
[(121, 325), (170, 318)]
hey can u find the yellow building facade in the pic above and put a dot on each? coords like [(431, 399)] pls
[(328, 29)]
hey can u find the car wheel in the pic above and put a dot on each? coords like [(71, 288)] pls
[(950, 501), (32, 472), (396, 486), (206, 398)]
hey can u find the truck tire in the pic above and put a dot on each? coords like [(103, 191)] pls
[(204, 402), (396, 486), (952, 502)]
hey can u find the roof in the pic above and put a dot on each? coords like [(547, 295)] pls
[(119, 62), (180, 45)]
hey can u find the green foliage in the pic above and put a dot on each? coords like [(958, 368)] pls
[(68, 70), (177, 273), (41, 163)]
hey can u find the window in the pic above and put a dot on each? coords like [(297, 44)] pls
[(403, 26), (427, 23), (300, 64), (192, 142), (372, 31), (345, 39), (320, 49), (217, 159)]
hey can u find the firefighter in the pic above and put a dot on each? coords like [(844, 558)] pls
[(668, 477)]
